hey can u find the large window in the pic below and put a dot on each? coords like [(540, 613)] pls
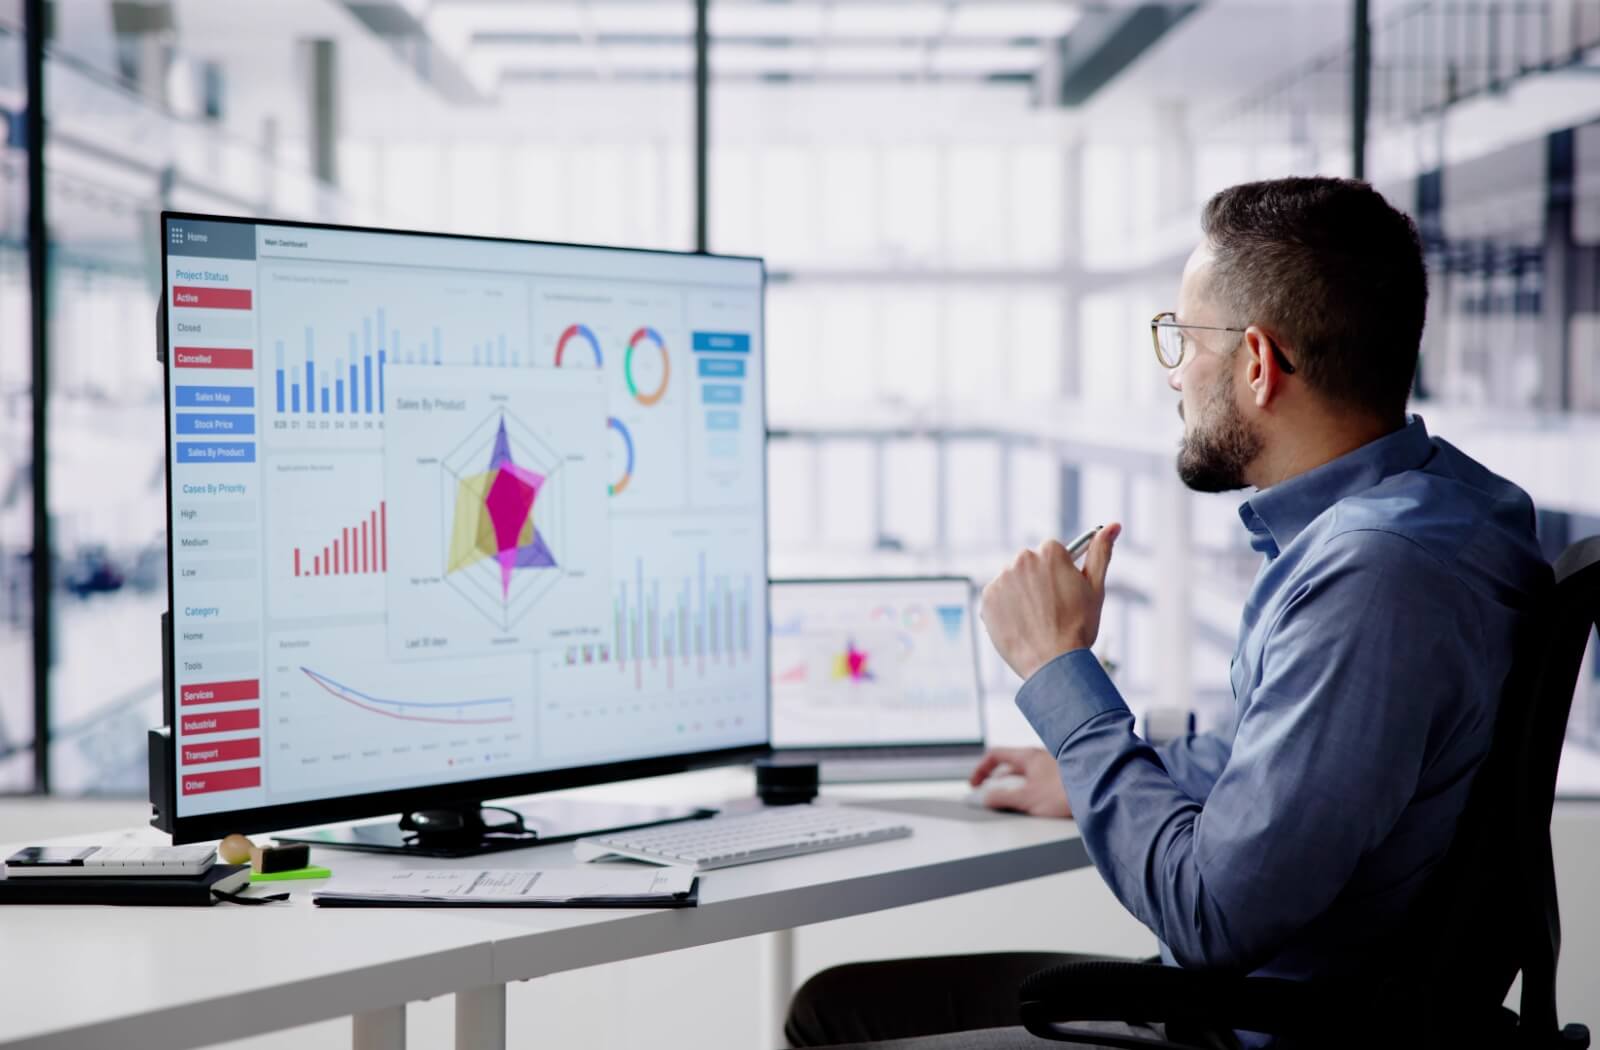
[(963, 263), (134, 128), (16, 421)]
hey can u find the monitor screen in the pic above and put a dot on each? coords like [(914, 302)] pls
[(859, 663), (450, 510)]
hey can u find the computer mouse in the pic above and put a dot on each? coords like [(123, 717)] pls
[(979, 796)]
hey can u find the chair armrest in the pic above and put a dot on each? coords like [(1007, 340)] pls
[(1184, 1000)]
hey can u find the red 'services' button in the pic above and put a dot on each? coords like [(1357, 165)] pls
[(220, 692), (211, 298), (221, 780), (208, 357), (221, 751), (221, 722)]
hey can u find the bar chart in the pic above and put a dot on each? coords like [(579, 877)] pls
[(673, 626), (682, 657), (356, 386), (333, 335), (358, 549)]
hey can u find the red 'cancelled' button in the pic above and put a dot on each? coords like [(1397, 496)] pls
[(221, 722), (222, 780), (207, 357), (220, 692)]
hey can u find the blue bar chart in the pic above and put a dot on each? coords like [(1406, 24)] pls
[(354, 383), (304, 390)]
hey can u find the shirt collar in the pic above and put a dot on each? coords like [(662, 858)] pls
[(1276, 515)]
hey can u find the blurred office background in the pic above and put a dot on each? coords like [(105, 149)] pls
[(970, 210)]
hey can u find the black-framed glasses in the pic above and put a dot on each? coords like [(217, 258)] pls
[(1167, 335)]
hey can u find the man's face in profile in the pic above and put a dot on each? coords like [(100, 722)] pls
[(1219, 443)]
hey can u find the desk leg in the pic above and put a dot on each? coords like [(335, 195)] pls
[(379, 1030), (780, 983), (481, 1018)]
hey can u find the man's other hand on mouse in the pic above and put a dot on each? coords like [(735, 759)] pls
[(1041, 794)]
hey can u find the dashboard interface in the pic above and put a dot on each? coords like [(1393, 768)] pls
[(446, 509)]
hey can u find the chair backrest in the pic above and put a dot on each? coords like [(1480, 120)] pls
[(1491, 910)]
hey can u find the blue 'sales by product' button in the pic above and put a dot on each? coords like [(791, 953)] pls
[(216, 452)]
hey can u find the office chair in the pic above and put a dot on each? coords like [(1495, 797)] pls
[(1489, 913)]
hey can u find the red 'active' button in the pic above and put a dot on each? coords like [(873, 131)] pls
[(205, 357), (222, 780), (221, 751), (220, 692), (211, 298), (221, 722)]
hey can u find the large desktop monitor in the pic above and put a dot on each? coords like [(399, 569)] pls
[(453, 519)]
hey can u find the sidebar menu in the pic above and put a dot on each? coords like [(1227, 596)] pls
[(216, 486)]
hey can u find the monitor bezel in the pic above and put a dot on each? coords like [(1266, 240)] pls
[(205, 826), (867, 750)]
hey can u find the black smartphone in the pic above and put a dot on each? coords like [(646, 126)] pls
[(50, 856)]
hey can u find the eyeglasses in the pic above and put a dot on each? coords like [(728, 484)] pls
[(1167, 335)]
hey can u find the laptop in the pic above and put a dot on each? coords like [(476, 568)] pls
[(877, 679)]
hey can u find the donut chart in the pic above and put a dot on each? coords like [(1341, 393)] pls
[(616, 487), (579, 331), (643, 335)]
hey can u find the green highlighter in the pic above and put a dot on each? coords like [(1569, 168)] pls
[(310, 871)]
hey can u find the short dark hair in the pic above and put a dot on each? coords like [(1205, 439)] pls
[(1334, 273)]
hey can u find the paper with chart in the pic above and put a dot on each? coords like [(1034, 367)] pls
[(513, 887)]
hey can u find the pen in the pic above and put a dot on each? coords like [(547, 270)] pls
[(1080, 543)]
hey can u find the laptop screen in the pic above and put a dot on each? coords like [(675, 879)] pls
[(859, 663)]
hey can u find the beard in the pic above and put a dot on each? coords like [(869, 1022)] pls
[(1215, 454)]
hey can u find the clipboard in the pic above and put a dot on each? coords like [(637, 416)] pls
[(631, 887)]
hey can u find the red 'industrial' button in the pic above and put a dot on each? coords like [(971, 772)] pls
[(221, 780), (221, 722), (211, 298)]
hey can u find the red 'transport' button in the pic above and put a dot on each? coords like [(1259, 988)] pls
[(221, 722), (221, 780), (211, 298), (207, 357), (221, 751), (220, 692)]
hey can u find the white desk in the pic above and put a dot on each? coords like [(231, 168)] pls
[(178, 977)]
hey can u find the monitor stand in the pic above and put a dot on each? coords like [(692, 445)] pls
[(466, 831)]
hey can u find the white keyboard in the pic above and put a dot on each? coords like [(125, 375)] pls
[(744, 838), (111, 861)]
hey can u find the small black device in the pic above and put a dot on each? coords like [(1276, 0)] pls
[(782, 781)]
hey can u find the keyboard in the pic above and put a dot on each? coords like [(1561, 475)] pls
[(744, 838), (112, 861)]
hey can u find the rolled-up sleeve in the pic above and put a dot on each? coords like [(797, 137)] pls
[(1327, 755)]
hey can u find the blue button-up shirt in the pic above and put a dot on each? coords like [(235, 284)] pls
[(1371, 655)]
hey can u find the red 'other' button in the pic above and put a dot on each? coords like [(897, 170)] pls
[(222, 780)]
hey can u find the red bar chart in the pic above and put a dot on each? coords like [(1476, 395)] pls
[(355, 550)]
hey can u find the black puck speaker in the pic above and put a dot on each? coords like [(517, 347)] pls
[(785, 782)]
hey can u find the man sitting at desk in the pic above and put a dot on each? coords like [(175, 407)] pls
[(1371, 652)]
